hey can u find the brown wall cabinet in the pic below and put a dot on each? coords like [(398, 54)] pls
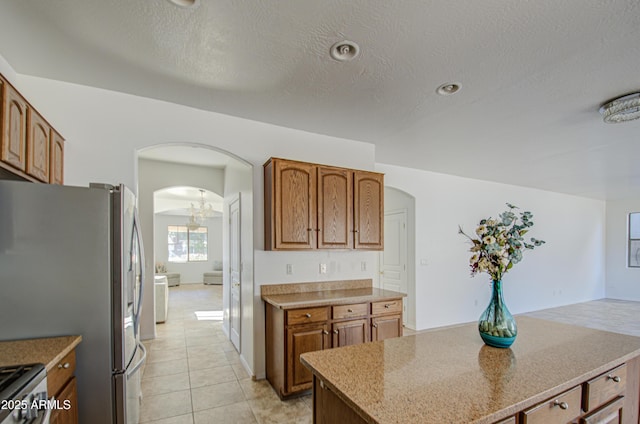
[(290, 333), (29, 147), (310, 206)]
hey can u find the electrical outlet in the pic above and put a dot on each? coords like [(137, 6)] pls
[(289, 269), (363, 266), (323, 268)]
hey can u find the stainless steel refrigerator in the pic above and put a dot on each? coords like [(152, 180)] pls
[(71, 262)]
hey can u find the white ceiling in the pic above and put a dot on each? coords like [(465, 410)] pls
[(533, 75)]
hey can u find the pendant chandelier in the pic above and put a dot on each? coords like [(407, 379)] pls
[(199, 214)]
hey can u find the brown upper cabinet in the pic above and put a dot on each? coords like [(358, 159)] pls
[(310, 206), (14, 128), (29, 147)]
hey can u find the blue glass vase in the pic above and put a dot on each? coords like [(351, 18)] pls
[(496, 325)]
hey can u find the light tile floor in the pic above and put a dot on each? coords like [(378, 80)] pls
[(194, 375)]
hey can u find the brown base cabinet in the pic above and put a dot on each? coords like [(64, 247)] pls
[(61, 385), (292, 332)]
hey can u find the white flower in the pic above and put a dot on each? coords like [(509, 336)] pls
[(488, 239), (474, 259), (481, 230)]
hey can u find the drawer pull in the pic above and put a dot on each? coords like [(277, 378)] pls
[(65, 365), (615, 378), (335, 331), (374, 325), (388, 305), (349, 310), (307, 315), (325, 332), (562, 405)]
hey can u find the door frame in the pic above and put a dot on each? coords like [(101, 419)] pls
[(235, 198), (404, 239)]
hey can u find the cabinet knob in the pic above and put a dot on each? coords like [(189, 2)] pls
[(307, 315), (562, 405), (615, 378), (374, 325), (335, 331), (355, 231), (349, 310), (388, 305), (325, 332), (66, 365)]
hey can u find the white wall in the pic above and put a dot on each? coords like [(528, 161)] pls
[(104, 129), (568, 269), (190, 272), (622, 282)]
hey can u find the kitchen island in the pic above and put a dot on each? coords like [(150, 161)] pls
[(553, 373)]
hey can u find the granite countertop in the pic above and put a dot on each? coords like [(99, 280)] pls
[(304, 295), (450, 376), (48, 351)]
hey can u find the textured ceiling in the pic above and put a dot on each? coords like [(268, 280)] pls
[(533, 75)]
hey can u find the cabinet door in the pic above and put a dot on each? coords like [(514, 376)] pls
[(368, 210), (67, 413), (386, 327), (335, 210), (350, 332), (301, 340), (38, 146), (57, 159), (14, 128), (608, 414), (295, 205)]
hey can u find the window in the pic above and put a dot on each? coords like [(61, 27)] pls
[(187, 245), (634, 240)]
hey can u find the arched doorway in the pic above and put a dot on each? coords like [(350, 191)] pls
[(205, 167)]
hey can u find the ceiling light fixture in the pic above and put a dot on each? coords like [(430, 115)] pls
[(448, 89), (622, 109), (198, 215), (185, 3), (344, 51)]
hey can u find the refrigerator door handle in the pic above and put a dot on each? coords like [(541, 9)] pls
[(135, 368), (138, 235)]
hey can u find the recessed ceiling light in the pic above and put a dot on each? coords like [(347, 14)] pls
[(185, 3), (344, 51), (448, 89)]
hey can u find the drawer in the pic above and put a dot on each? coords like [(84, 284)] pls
[(307, 315), (560, 409), (387, 307), (603, 388), (350, 311), (61, 373)]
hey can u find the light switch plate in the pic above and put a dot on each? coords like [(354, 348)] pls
[(323, 268)]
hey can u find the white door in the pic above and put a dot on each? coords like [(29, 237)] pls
[(393, 260), (235, 271)]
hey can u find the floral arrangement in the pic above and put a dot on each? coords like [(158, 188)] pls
[(160, 267), (500, 242)]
